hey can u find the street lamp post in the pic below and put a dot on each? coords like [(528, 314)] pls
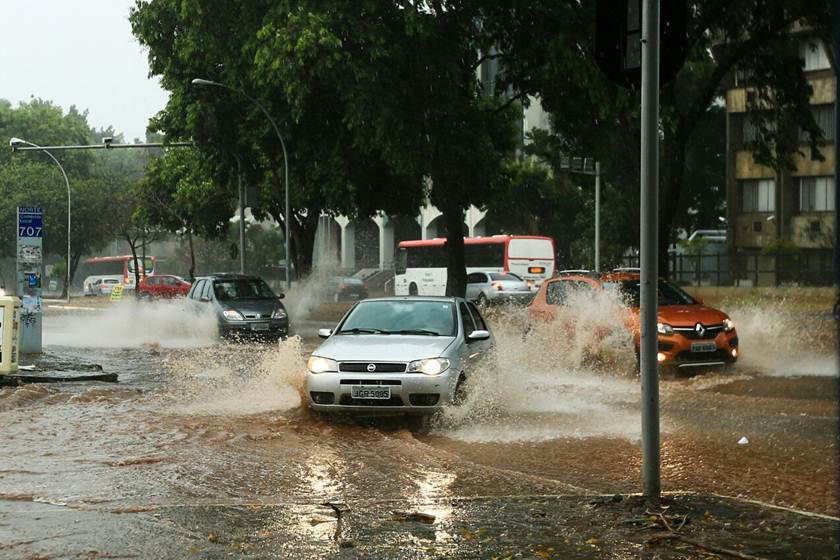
[(14, 143), (203, 82)]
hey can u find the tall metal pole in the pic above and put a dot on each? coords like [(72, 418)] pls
[(241, 217), (597, 217), (67, 184), (203, 82), (649, 247)]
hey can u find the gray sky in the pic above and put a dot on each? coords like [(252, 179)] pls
[(82, 53)]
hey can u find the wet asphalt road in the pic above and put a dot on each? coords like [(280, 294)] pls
[(205, 448)]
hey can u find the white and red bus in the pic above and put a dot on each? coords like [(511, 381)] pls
[(122, 266), (421, 265)]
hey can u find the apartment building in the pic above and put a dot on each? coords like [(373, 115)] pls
[(788, 213)]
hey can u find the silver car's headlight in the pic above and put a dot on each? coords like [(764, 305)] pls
[(279, 313), (728, 324), (664, 328), (317, 364), (429, 366), (233, 315)]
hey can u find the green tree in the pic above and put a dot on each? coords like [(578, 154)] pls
[(404, 76), (178, 195), (328, 169)]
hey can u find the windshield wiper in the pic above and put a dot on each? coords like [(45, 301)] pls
[(417, 331), (364, 330)]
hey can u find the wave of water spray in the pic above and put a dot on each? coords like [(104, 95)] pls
[(778, 340), (568, 378), (132, 324), (239, 379)]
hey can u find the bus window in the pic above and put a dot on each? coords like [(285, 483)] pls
[(531, 248), (491, 255)]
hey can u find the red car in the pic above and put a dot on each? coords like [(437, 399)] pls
[(163, 286)]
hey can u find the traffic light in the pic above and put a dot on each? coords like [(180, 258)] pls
[(618, 40)]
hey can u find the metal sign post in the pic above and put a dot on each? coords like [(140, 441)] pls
[(30, 265), (649, 245)]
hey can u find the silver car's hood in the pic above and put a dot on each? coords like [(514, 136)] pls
[(382, 347)]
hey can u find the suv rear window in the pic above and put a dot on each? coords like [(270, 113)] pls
[(242, 288)]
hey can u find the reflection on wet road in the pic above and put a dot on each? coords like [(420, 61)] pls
[(196, 424)]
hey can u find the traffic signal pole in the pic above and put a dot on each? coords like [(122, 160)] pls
[(649, 247)]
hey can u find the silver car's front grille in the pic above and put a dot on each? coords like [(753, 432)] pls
[(371, 367)]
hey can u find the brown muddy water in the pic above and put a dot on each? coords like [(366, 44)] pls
[(199, 423)]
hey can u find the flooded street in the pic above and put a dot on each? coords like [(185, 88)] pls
[(210, 443)]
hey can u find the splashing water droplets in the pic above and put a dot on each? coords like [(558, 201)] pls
[(565, 378)]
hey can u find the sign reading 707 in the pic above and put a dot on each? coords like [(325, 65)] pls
[(30, 222)]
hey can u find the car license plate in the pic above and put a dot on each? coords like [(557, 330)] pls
[(703, 347), (259, 326), (370, 392)]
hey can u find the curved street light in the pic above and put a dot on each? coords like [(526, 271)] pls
[(14, 143), (203, 82)]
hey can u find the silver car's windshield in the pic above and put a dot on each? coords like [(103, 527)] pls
[(433, 318)]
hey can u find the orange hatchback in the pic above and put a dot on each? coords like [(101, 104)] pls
[(690, 334)]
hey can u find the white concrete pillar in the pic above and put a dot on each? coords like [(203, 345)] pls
[(427, 214), (348, 242), (472, 218)]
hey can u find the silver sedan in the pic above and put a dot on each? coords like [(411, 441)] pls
[(403, 355), (497, 287)]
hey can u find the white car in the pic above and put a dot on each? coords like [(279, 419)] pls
[(498, 287), (399, 355), (106, 285)]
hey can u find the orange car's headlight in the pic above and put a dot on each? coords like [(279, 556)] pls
[(664, 328), (728, 324)]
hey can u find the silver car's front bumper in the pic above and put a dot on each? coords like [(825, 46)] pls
[(410, 392)]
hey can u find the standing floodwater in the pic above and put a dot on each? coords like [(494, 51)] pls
[(195, 425)]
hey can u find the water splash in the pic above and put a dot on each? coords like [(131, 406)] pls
[(132, 324), (572, 377), (238, 379), (779, 340)]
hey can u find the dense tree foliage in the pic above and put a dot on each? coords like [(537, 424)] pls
[(328, 169), (177, 195)]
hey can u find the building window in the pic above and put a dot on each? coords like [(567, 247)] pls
[(813, 54), (824, 117), (758, 195), (816, 194)]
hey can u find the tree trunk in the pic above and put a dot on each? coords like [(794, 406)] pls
[(132, 243), (303, 242), (192, 255), (456, 271)]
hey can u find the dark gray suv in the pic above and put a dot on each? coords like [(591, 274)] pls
[(245, 306)]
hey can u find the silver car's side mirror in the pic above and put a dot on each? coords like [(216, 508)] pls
[(478, 335), (324, 333)]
